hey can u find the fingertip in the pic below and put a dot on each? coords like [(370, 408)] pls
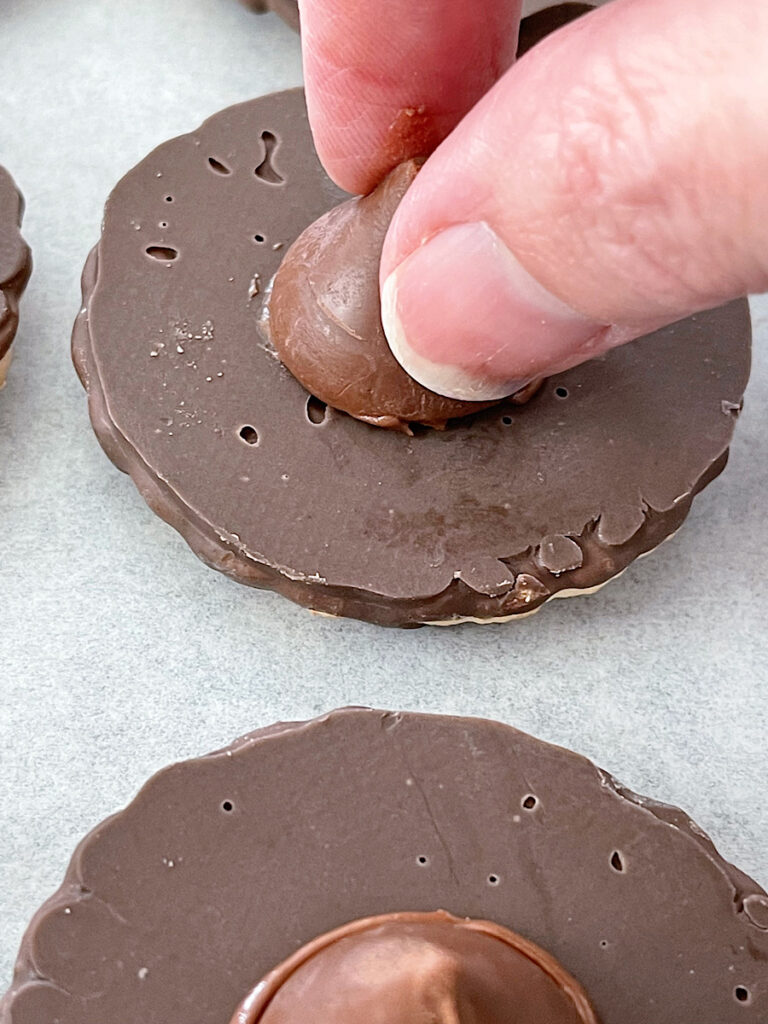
[(466, 320), (387, 82), (444, 378)]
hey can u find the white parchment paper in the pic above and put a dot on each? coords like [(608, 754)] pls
[(120, 652)]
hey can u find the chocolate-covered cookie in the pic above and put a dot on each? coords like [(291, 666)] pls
[(15, 266), (223, 867), (485, 520)]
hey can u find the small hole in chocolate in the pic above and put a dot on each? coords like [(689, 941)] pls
[(741, 993), (493, 879), (249, 434), (507, 421), (561, 392), (162, 252), (316, 410), (218, 166), (616, 862), (603, 943), (227, 806), (266, 169), (258, 238), (169, 199), (421, 859), (163, 224), (529, 803)]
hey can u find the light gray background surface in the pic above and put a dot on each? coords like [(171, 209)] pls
[(120, 652)]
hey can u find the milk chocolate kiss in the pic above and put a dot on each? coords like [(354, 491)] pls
[(15, 266), (226, 865), (325, 317), (325, 313), (418, 968)]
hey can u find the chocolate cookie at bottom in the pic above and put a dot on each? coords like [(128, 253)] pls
[(15, 266), (225, 866), (486, 520)]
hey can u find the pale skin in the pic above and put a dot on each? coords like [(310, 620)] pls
[(612, 181)]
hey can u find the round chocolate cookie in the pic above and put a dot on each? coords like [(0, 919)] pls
[(222, 867), (485, 520), (15, 266)]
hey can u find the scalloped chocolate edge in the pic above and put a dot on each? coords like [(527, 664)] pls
[(750, 901)]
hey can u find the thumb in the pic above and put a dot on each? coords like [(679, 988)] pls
[(611, 182)]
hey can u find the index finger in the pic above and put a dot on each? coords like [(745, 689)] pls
[(389, 79)]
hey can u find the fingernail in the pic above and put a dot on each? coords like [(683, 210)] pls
[(465, 319)]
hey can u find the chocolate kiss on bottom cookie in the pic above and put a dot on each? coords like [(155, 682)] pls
[(224, 866), (410, 968), (325, 313), (325, 317)]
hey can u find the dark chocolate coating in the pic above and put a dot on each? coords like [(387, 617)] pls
[(15, 260), (417, 968), (325, 316), (224, 866), (187, 395), (287, 9)]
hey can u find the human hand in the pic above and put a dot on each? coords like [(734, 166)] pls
[(612, 181)]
